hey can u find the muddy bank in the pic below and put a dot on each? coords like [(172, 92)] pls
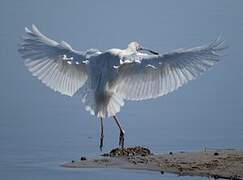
[(226, 164)]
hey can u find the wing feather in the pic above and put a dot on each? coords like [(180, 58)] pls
[(56, 64), (156, 75)]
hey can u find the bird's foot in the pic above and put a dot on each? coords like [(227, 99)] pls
[(121, 138)]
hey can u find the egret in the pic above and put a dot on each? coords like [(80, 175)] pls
[(104, 80)]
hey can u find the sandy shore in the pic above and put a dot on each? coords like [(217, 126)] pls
[(226, 164)]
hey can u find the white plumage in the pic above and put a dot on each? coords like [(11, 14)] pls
[(105, 79)]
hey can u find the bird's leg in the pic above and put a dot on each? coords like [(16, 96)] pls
[(122, 133), (101, 134)]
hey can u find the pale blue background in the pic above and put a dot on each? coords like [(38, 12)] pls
[(40, 129)]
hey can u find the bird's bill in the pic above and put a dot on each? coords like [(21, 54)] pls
[(148, 50)]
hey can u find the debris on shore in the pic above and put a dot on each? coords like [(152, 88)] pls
[(130, 151)]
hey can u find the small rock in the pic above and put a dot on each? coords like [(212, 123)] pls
[(73, 161), (216, 154), (83, 158), (161, 172), (171, 153)]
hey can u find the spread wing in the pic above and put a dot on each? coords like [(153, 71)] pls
[(56, 64), (151, 76)]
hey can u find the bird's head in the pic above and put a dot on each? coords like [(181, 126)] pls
[(136, 47)]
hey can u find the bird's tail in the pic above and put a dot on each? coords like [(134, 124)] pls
[(114, 105), (102, 109)]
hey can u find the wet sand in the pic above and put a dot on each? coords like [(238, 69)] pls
[(226, 164)]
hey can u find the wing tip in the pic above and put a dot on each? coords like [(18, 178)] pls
[(218, 44), (33, 28), (26, 29)]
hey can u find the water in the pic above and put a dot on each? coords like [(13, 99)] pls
[(40, 129)]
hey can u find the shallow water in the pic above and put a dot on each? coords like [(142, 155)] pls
[(40, 129)]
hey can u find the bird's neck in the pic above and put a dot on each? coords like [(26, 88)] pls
[(128, 51)]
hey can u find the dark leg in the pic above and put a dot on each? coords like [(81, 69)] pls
[(101, 134), (122, 133)]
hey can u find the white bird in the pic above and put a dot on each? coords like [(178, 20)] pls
[(103, 80)]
